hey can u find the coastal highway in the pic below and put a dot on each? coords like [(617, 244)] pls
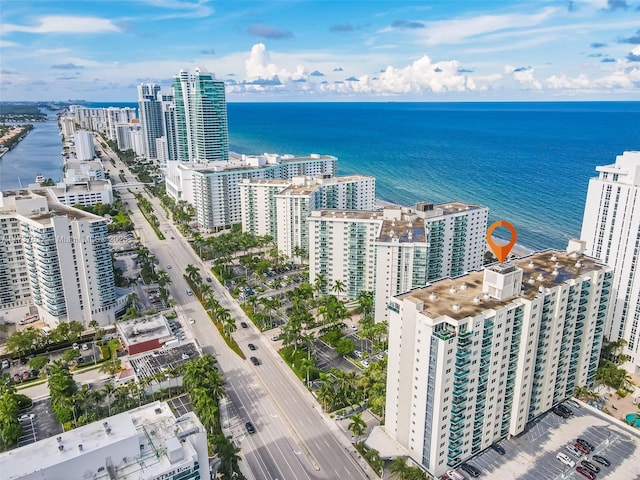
[(294, 439)]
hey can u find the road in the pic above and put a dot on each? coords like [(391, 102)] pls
[(294, 439)]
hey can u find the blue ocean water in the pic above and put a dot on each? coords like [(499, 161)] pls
[(530, 163)]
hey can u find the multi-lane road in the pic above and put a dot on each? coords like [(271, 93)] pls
[(294, 439)]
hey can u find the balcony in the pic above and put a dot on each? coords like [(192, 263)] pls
[(462, 355)]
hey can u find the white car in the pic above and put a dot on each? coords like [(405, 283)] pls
[(365, 364), (85, 347), (574, 450), (566, 460), (192, 321)]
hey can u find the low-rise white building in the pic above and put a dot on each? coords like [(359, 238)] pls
[(472, 360), (146, 443)]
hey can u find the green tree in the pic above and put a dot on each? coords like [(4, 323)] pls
[(357, 426), (345, 346), (399, 468), (38, 363)]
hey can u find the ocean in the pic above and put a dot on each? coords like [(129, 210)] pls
[(530, 163)]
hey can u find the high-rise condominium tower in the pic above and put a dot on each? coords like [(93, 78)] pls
[(201, 117), (474, 359), (150, 111), (611, 230)]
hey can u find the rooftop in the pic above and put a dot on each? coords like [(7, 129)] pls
[(149, 364), (545, 269), (147, 433), (141, 330)]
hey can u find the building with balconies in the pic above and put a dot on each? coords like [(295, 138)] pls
[(474, 359), (67, 257)]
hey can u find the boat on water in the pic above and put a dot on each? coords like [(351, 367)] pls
[(40, 178)]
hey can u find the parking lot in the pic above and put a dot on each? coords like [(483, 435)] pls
[(38, 422), (532, 455)]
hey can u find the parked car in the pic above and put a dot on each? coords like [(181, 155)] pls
[(255, 361), (471, 470), (244, 324), (5, 364), (568, 461), (275, 338), (498, 449), (585, 472), (573, 450), (573, 403), (365, 364), (601, 460), (25, 375), (209, 280), (251, 346), (565, 410), (592, 467), (75, 346), (582, 448), (585, 444), (560, 412), (250, 428), (85, 347)]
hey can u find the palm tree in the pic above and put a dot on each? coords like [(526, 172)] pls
[(307, 364), (194, 275), (357, 426), (399, 468), (320, 283), (365, 302), (338, 286), (109, 390)]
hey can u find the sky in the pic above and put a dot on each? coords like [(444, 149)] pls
[(332, 50)]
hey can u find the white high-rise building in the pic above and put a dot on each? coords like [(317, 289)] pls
[(426, 243), (305, 194), (396, 249), (148, 442), (130, 136), (150, 112), (83, 141), (67, 255), (474, 359), (213, 188), (611, 230), (113, 116), (258, 205)]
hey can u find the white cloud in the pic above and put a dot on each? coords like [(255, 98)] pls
[(524, 76), (622, 79), (259, 65), (557, 82), (460, 29), (64, 24)]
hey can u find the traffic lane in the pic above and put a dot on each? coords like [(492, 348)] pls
[(302, 413), (286, 389), (278, 454)]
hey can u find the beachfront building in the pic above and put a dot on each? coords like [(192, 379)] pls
[(472, 360), (213, 188), (150, 113), (83, 141), (258, 205), (67, 256), (342, 249), (397, 249), (148, 442), (428, 242), (305, 194), (611, 230), (200, 117)]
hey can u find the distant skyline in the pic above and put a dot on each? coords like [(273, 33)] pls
[(531, 50)]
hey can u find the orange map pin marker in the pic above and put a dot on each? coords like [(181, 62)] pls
[(501, 251)]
